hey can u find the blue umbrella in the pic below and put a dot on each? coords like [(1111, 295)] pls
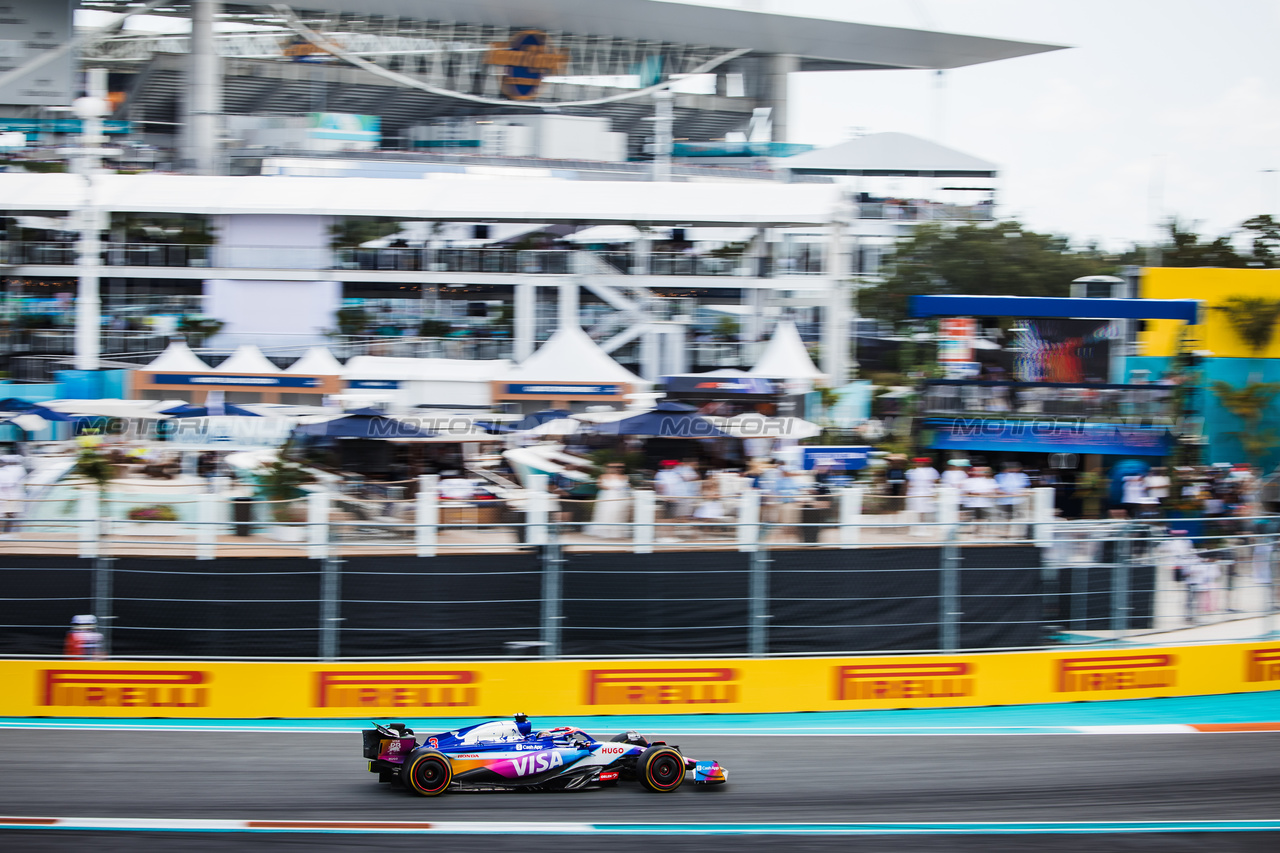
[(540, 418), (186, 410), (668, 420), (364, 426), (51, 415)]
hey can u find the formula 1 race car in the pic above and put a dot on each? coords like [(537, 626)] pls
[(510, 755)]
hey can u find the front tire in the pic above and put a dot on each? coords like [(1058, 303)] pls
[(427, 772), (660, 769)]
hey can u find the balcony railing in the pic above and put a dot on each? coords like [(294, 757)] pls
[(958, 396), (451, 260), (924, 211)]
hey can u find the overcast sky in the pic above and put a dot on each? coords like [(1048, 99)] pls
[(1157, 109)]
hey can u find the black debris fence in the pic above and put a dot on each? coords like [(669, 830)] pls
[(772, 594)]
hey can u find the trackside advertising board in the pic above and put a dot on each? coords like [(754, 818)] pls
[(31, 688)]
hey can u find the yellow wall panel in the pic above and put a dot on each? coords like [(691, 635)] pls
[(1213, 287), (483, 689)]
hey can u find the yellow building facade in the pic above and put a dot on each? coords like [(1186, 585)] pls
[(1213, 287)]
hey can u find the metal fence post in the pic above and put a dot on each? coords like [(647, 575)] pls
[(1122, 554), (207, 506), (644, 513), (850, 516), (551, 605), (330, 592), (318, 525), (88, 519), (537, 510), (748, 519), (1042, 516), (949, 592), (103, 583), (426, 518), (758, 627)]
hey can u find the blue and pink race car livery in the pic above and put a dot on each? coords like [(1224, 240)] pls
[(511, 755)]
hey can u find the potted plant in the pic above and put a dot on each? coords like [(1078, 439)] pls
[(156, 512), (282, 481)]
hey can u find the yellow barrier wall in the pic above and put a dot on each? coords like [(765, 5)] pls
[(182, 689)]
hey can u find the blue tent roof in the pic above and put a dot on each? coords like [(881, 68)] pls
[(364, 426), (668, 420)]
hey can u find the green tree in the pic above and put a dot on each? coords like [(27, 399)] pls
[(197, 328), (351, 231), (352, 320), (1253, 318), (1000, 260), (1264, 235), (1249, 403), (1184, 249)]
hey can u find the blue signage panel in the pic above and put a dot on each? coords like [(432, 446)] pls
[(549, 390), (726, 385), (1050, 436), (374, 383), (222, 379), (848, 458)]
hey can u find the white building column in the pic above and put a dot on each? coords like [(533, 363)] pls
[(525, 320), (567, 303), (204, 86), (776, 69), (640, 251), (835, 315)]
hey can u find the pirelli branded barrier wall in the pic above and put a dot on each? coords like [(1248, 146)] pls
[(110, 689)]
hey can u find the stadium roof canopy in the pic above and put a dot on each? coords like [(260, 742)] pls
[(460, 200), (819, 44), (895, 154)]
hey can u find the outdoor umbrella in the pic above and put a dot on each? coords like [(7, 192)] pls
[(668, 420), (50, 414), (360, 425), (758, 426), (186, 410), (540, 418)]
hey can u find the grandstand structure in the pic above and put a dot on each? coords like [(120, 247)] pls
[(644, 77)]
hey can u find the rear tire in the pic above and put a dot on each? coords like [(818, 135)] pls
[(427, 772), (660, 769)]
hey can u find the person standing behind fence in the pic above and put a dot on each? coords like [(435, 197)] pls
[(979, 492), (1014, 486), (612, 501), (922, 490), (83, 640), (1180, 558), (12, 493)]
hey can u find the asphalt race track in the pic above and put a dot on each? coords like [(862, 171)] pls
[(814, 780)]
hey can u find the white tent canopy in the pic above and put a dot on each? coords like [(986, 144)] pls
[(570, 355), (891, 154), (247, 359), (178, 358), (785, 357), (317, 361)]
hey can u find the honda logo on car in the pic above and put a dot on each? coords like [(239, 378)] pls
[(394, 689), (903, 681), (668, 686), (1262, 665), (125, 688), (1127, 672)]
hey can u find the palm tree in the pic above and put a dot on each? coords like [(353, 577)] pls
[(1253, 318), (1249, 403)]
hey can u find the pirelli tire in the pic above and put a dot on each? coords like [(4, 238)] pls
[(427, 772), (660, 769)]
